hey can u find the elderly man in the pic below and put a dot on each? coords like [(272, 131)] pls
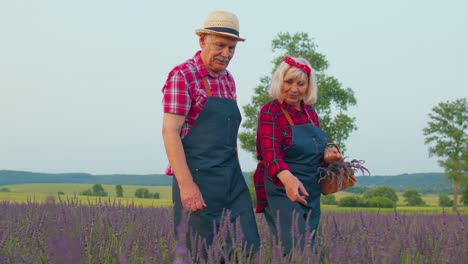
[(200, 126)]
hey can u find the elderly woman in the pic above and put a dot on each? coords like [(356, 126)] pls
[(290, 148)]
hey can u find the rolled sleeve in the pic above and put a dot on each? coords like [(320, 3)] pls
[(176, 96)]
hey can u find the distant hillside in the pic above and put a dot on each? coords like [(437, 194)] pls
[(423, 182), (8, 177)]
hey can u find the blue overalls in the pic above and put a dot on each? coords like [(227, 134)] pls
[(211, 153), (303, 157)]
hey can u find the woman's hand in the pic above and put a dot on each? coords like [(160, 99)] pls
[(191, 197), (332, 155), (294, 187)]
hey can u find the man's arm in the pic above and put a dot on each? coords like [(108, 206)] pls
[(190, 194)]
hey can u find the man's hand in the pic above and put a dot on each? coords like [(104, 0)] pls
[(294, 187), (191, 197), (190, 194)]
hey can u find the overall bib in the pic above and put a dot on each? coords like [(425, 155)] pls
[(211, 153), (303, 157)]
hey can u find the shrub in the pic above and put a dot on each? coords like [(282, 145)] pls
[(383, 191), (464, 198), (60, 193), (87, 192), (142, 193), (413, 198), (352, 201), (381, 202), (4, 189), (119, 190), (97, 190), (328, 199), (445, 201), (156, 195)]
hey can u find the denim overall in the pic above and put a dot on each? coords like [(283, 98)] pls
[(211, 153), (303, 157)]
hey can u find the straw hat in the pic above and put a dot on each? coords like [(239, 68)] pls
[(221, 23)]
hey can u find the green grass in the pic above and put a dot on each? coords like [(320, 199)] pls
[(165, 192), (22, 193)]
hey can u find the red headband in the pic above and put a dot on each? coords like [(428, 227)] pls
[(296, 64)]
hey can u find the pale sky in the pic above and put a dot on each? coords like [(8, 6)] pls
[(80, 81)]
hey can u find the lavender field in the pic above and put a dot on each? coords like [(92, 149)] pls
[(70, 232)]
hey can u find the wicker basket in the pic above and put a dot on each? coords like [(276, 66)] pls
[(335, 183)]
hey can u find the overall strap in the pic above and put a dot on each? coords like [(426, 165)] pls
[(288, 117), (208, 89), (207, 86)]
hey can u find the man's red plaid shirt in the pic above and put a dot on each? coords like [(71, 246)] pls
[(184, 92)]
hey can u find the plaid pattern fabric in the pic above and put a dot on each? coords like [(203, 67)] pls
[(274, 136), (184, 92)]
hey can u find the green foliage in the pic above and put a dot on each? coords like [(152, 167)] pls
[(413, 198), (119, 190), (381, 202), (328, 199), (446, 133), (352, 201), (357, 189), (445, 201), (96, 190), (333, 99), (60, 193), (145, 193), (142, 193), (4, 189), (383, 191), (464, 198), (87, 192)]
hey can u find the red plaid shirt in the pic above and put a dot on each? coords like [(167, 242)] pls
[(274, 136), (184, 92)]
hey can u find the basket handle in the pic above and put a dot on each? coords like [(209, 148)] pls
[(334, 145)]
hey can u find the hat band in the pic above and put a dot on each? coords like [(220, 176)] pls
[(224, 30)]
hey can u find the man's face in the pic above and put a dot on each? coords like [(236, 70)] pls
[(217, 51)]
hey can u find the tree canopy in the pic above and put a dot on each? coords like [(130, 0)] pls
[(333, 99), (446, 135)]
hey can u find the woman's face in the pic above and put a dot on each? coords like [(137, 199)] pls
[(294, 89)]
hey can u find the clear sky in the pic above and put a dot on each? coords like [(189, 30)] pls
[(80, 81)]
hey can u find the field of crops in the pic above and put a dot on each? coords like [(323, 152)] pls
[(22, 193), (70, 232)]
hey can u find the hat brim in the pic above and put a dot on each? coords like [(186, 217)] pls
[(208, 31)]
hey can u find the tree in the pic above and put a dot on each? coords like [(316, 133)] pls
[(328, 199), (464, 198), (352, 201), (383, 191), (413, 198), (444, 200), (333, 100), (381, 202), (98, 190), (119, 190), (446, 133), (142, 193)]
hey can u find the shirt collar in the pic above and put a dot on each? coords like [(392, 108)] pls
[(291, 109), (202, 68)]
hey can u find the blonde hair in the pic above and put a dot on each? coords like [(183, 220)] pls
[(285, 71)]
